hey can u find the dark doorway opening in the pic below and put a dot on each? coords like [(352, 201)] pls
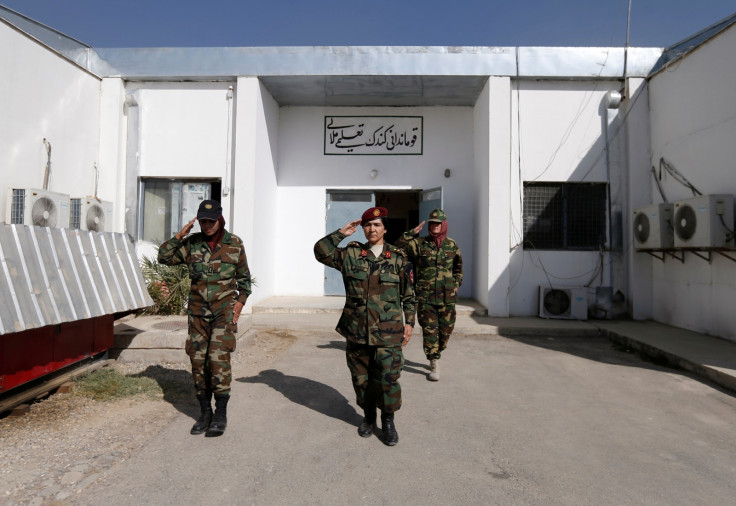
[(403, 211)]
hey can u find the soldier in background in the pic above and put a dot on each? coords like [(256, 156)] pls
[(221, 283), (439, 273), (378, 317)]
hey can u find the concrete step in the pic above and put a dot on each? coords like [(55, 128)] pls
[(327, 304)]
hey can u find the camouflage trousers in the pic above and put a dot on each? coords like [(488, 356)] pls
[(211, 339), (375, 373), (437, 322)]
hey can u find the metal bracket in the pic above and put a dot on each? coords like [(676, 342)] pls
[(723, 254)]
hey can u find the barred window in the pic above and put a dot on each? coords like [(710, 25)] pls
[(565, 216)]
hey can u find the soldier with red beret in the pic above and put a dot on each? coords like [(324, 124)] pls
[(378, 317)]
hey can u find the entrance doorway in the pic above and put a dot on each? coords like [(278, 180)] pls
[(406, 209)]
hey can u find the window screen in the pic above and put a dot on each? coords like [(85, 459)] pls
[(566, 216)]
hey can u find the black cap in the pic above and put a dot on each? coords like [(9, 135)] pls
[(209, 210)]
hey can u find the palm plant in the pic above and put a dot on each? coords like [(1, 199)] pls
[(168, 286)]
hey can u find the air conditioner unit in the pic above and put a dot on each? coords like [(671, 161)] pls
[(704, 222), (91, 214), (569, 303), (653, 227), (31, 206)]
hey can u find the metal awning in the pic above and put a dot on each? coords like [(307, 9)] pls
[(52, 275)]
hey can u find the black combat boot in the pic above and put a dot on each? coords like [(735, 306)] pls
[(205, 416), (219, 421), (368, 423), (390, 436)]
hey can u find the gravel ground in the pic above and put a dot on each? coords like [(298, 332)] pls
[(67, 442)]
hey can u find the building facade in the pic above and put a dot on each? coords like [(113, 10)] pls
[(538, 155)]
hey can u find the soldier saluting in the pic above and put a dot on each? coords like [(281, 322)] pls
[(439, 273), (378, 317), (221, 283)]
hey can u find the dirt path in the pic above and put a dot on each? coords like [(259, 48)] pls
[(66, 442)]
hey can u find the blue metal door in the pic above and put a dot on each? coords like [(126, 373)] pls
[(344, 206)]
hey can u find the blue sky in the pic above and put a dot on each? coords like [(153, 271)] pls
[(162, 23)]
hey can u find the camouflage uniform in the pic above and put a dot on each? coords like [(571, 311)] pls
[(220, 278), (439, 274), (378, 291)]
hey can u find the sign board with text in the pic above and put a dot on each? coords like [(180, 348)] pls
[(374, 135)]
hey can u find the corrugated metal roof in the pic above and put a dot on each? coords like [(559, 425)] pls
[(55, 275), (680, 49)]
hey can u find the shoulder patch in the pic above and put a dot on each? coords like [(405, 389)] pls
[(354, 244)]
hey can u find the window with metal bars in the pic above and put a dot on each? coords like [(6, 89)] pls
[(565, 216)]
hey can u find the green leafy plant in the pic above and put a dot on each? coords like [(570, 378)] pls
[(168, 286)]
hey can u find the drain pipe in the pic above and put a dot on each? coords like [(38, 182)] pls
[(612, 102), (47, 170)]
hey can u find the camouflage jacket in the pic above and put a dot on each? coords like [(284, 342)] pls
[(219, 278), (377, 290), (439, 272)]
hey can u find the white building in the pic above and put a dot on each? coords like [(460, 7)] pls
[(540, 156)]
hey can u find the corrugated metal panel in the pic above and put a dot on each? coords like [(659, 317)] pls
[(56, 275)]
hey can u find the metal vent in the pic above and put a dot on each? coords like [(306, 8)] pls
[(75, 213), (18, 206)]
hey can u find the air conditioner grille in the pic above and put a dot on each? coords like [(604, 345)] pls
[(685, 222), (641, 227), (18, 206), (44, 212), (75, 213), (95, 218), (557, 302)]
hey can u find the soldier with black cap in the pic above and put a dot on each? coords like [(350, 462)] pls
[(439, 273), (221, 283), (378, 317)]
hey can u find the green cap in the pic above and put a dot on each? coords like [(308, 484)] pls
[(437, 215)]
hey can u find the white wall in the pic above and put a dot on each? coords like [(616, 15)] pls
[(254, 194), (481, 192), (305, 173), (558, 132), (499, 194), (44, 96), (183, 128), (182, 133), (640, 187), (693, 126), (112, 148)]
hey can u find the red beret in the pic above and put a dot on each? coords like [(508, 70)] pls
[(373, 213)]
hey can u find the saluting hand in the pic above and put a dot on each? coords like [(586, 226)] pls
[(350, 228), (185, 231), (419, 227)]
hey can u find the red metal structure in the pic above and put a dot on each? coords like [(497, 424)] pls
[(31, 354)]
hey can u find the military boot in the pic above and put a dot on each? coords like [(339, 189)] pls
[(368, 423), (390, 436), (205, 416), (219, 421), (434, 370)]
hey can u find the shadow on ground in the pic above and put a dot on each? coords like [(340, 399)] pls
[(409, 365), (176, 385), (607, 351), (309, 393)]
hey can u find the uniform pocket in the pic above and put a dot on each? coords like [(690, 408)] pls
[(389, 286), (227, 270), (228, 339)]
